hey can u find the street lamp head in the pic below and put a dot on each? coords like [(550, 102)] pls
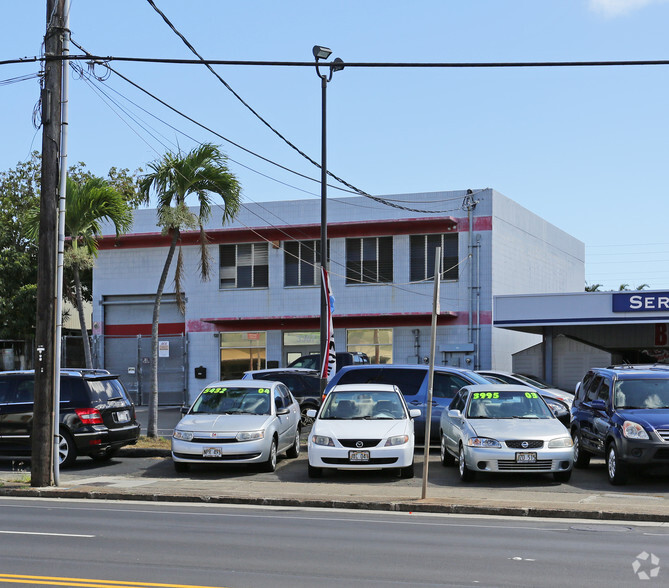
[(321, 52), (337, 64)]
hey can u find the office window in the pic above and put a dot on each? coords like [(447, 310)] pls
[(244, 266), (421, 256), (369, 260), (301, 262), (376, 343), (241, 352)]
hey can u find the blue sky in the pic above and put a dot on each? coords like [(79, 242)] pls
[(585, 148)]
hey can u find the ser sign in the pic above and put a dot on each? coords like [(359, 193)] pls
[(641, 302)]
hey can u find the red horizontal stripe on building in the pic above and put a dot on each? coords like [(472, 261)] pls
[(143, 329)]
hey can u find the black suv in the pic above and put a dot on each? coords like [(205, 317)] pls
[(344, 358), (622, 414), (96, 415)]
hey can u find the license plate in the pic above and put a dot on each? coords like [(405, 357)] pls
[(527, 457), (211, 452), (122, 416), (358, 455)]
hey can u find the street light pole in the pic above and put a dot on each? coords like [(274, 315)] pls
[(323, 53)]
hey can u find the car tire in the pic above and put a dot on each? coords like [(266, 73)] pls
[(67, 451), (181, 467), (294, 450), (615, 468), (581, 456), (270, 464), (407, 473), (466, 475), (446, 458), (315, 472), (562, 477)]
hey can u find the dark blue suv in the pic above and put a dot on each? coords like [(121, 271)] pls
[(621, 413)]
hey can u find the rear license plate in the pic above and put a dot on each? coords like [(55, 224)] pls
[(122, 416), (526, 457), (358, 455), (211, 452)]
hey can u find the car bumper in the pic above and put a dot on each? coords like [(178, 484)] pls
[(236, 452), (399, 456), (506, 460), (99, 439), (644, 453)]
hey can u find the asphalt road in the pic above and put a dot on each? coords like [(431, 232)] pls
[(235, 547)]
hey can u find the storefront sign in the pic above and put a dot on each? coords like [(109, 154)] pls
[(641, 302)]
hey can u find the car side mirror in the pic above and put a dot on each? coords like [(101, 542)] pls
[(454, 413), (598, 404), (414, 413), (282, 411), (311, 413), (185, 409)]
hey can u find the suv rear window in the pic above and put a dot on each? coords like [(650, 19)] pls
[(102, 391), (650, 393), (407, 380)]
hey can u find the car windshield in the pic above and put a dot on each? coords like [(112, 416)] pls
[(363, 405), (649, 393), (233, 400), (507, 405)]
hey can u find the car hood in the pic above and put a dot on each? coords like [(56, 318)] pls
[(361, 429), (232, 423), (650, 418), (518, 428)]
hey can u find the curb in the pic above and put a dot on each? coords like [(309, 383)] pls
[(392, 506)]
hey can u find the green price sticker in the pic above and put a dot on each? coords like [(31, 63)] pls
[(485, 395), (531, 395)]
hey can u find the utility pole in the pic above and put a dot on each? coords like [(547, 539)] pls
[(42, 431)]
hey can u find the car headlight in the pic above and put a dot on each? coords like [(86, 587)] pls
[(322, 440), (250, 435), (633, 430), (560, 442), (183, 435), (397, 440), (483, 442)]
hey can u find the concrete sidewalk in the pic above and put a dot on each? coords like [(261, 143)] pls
[(358, 490)]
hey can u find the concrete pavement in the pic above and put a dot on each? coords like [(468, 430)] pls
[(150, 476)]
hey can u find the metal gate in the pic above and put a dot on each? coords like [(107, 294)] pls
[(130, 357)]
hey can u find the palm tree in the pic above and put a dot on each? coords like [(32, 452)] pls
[(202, 172), (87, 204)]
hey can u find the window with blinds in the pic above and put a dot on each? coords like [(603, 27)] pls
[(244, 266), (301, 262), (421, 256), (369, 260)]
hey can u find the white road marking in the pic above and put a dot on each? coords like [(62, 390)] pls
[(45, 534)]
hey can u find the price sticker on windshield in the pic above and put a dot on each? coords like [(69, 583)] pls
[(485, 395), (531, 395)]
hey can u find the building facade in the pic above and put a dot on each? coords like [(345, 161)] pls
[(261, 307)]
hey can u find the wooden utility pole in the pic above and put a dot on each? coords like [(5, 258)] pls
[(42, 433)]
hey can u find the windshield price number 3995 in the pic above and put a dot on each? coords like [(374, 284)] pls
[(526, 457), (358, 455)]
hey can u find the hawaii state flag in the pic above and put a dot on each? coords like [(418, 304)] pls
[(329, 364)]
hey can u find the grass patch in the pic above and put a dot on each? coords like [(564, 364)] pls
[(152, 443)]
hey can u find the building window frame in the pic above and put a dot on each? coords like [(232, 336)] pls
[(243, 265), (421, 256), (369, 260), (301, 263)]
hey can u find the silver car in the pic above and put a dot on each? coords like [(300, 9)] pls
[(504, 428), (238, 421)]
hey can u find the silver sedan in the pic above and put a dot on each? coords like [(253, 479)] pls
[(238, 421), (504, 428)]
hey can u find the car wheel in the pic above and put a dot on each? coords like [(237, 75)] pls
[(446, 458), (615, 467), (180, 466), (306, 421), (294, 449), (466, 475), (315, 472), (581, 456), (407, 472), (67, 452), (270, 464), (562, 477)]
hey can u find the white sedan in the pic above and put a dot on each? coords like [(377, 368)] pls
[(238, 421), (362, 427)]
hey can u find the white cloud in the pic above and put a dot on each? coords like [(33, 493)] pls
[(619, 7)]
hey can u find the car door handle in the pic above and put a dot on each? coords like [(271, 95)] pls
[(415, 402)]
